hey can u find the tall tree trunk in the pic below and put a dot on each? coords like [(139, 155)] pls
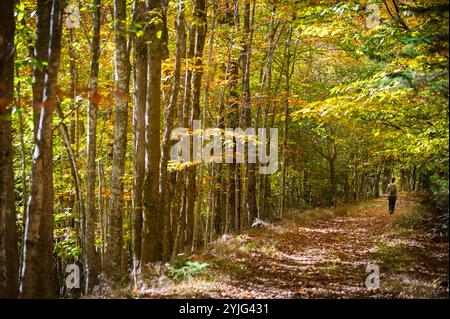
[(139, 103), (37, 270), (153, 222), (185, 219), (264, 180), (122, 77), (90, 265), (286, 121), (238, 168), (188, 119), (23, 159), (9, 258), (210, 211), (169, 121), (232, 121), (246, 120), (178, 207), (200, 35)]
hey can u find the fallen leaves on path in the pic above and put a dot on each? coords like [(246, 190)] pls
[(323, 258)]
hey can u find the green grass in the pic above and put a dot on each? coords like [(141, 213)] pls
[(186, 270), (395, 257), (412, 218)]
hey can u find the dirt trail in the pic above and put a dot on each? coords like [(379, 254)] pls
[(324, 254)]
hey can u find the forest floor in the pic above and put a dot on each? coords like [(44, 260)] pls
[(319, 253)]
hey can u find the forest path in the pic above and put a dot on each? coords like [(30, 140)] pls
[(323, 254)]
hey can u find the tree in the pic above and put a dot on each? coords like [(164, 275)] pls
[(90, 264), (153, 225), (199, 26), (139, 93), (37, 270), (169, 124), (246, 119), (122, 79), (9, 259)]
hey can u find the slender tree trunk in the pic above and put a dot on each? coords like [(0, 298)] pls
[(9, 258), (64, 132), (331, 166), (346, 188), (73, 147), (178, 207), (286, 121), (90, 265), (37, 270), (220, 196), (23, 160), (386, 176), (200, 35), (250, 194), (210, 212), (188, 119), (413, 178), (140, 98), (183, 232), (179, 211), (232, 119), (376, 186), (169, 120), (264, 180), (238, 168), (122, 77)]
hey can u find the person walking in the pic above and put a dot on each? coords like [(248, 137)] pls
[(392, 195)]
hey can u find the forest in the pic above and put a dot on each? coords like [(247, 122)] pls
[(223, 148)]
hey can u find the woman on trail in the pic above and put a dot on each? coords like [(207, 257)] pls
[(392, 195)]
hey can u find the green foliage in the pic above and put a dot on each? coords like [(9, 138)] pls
[(439, 188), (390, 102), (66, 245), (186, 270), (251, 246), (412, 220), (396, 257)]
